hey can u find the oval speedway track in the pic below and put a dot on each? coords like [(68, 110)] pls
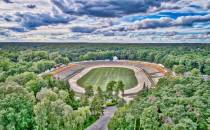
[(141, 74)]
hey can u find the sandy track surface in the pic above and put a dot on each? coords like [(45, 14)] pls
[(139, 73)]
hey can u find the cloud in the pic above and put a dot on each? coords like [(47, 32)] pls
[(195, 6), (7, 1), (4, 33), (18, 29), (208, 6), (108, 8), (190, 20), (168, 22), (105, 20), (31, 6), (30, 21), (154, 23), (79, 29)]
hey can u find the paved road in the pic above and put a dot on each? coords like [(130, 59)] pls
[(102, 122)]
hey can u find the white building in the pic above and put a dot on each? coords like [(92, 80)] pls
[(115, 58)]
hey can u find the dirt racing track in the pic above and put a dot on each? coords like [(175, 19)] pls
[(144, 72)]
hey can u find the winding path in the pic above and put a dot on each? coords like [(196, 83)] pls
[(102, 122)]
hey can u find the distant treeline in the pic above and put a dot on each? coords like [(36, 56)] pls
[(180, 57)]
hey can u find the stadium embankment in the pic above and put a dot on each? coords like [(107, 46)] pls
[(143, 71)]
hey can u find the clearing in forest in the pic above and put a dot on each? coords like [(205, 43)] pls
[(101, 76)]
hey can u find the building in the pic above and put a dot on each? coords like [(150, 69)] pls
[(206, 77), (115, 58)]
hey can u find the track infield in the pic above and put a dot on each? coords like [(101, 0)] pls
[(101, 76)]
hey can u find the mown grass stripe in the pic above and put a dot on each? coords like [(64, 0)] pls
[(101, 76)]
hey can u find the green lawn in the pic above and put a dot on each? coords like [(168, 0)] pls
[(101, 76)]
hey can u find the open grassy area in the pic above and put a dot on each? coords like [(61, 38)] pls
[(101, 76)]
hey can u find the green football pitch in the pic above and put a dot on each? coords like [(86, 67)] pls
[(101, 76)]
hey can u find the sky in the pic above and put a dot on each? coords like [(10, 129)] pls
[(118, 21)]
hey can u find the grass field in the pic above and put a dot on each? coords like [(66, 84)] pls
[(101, 76)]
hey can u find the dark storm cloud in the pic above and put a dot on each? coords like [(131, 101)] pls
[(4, 33), (31, 6), (106, 8), (31, 21), (18, 29), (7, 1), (208, 5), (195, 6)]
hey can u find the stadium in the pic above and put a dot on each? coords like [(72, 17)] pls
[(97, 73)]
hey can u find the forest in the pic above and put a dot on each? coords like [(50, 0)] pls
[(29, 101), (175, 104)]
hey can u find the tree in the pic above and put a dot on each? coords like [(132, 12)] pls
[(100, 95), (46, 93), (149, 118), (100, 92), (195, 72), (180, 69), (36, 85), (3, 76), (185, 124), (119, 120), (207, 70), (16, 107), (207, 67), (89, 91), (42, 65), (54, 55), (208, 120), (70, 100), (22, 78), (110, 87), (61, 59), (121, 86), (4, 64), (33, 56), (52, 115), (177, 103), (84, 101), (96, 106)]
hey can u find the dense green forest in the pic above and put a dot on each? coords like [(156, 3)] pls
[(175, 104), (28, 101), (180, 57)]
